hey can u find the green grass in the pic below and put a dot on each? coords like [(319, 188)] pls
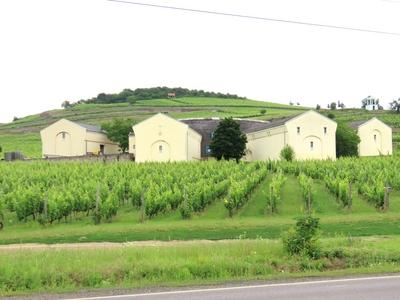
[(28, 143), (27, 271)]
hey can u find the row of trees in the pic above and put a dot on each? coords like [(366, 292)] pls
[(128, 95)]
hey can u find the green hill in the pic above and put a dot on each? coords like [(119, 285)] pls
[(23, 134)]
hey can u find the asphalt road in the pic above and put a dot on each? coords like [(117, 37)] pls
[(368, 288)]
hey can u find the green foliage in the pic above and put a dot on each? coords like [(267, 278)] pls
[(277, 181), (306, 184), (331, 116), (263, 111), (333, 106), (347, 141), (395, 105), (131, 96), (287, 153), (118, 130), (228, 141), (303, 238)]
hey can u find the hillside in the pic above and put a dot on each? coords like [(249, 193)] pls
[(23, 134)]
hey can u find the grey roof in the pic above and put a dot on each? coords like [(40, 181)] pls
[(209, 125), (357, 124), (93, 128)]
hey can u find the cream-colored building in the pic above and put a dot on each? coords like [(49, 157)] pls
[(162, 138), (67, 138), (310, 134), (375, 137)]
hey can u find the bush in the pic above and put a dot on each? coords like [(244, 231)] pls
[(287, 153), (303, 238)]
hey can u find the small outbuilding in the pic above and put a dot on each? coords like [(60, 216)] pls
[(66, 138), (375, 137)]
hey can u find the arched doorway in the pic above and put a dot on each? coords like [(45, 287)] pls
[(63, 144), (160, 151)]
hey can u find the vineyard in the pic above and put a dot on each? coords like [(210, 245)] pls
[(51, 193)]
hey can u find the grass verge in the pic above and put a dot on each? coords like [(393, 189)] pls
[(31, 271)]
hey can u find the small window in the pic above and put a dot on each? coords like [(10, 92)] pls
[(375, 137), (133, 146), (160, 148), (298, 130), (63, 135), (312, 146), (325, 130)]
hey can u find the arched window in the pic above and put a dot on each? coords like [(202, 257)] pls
[(311, 145), (160, 149)]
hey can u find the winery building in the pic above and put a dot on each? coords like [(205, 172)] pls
[(65, 138), (375, 137), (162, 138)]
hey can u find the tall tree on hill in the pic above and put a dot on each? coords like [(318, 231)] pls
[(118, 131), (395, 105), (228, 141)]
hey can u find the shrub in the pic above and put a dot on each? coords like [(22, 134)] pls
[(303, 238), (287, 153)]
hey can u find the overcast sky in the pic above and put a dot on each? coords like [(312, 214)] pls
[(56, 50)]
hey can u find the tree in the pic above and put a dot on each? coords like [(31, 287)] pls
[(263, 111), (318, 107), (287, 153), (395, 105), (118, 130), (66, 104), (347, 141), (333, 106), (228, 141), (331, 116)]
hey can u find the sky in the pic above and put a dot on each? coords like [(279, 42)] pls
[(56, 50)]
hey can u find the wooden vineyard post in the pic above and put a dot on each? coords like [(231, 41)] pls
[(350, 196), (271, 200), (46, 198), (386, 198), (97, 217), (142, 207)]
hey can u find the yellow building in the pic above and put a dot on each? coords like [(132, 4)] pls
[(310, 134), (66, 138), (375, 137), (162, 138)]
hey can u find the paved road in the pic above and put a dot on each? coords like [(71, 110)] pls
[(369, 288)]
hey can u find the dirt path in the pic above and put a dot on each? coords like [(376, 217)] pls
[(105, 245)]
